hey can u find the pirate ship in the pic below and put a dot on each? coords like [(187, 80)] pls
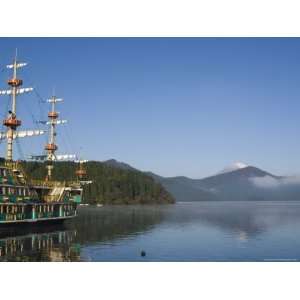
[(30, 201)]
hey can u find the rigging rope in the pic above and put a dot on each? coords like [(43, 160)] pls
[(19, 148), (66, 139)]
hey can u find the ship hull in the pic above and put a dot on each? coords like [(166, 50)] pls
[(36, 213)]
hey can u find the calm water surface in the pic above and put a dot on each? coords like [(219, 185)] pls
[(204, 231)]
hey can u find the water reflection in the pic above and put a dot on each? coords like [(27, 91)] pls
[(63, 242), (113, 222), (39, 244), (244, 219), (210, 231)]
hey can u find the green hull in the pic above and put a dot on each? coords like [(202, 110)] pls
[(11, 213)]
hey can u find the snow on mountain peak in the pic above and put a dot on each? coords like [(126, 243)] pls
[(233, 167)]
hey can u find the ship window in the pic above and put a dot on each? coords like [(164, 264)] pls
[(76, 192)]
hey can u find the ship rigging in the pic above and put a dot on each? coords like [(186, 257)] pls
[(27, 200), (11, 121)]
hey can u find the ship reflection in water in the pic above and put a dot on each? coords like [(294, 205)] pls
[(64, 242), (41, 246), (205, 231)]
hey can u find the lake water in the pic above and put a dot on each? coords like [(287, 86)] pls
[(203, 231)]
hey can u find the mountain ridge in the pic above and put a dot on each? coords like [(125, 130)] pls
[(243, 183)]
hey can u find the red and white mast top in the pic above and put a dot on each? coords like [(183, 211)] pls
[(11, 121)]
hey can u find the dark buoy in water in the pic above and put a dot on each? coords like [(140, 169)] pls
[(143, 253)]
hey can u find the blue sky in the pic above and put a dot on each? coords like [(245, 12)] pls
[(175, 106)]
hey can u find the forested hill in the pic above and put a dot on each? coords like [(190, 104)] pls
[(111, 184)]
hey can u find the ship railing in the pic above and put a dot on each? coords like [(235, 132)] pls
[(17, 170), (52, 198), (12, 164), (45, 183)]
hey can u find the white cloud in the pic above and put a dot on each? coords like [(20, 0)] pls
[(291, 180), (271, 182), (265, 182)]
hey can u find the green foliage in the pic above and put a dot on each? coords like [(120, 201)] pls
[(111, 185)]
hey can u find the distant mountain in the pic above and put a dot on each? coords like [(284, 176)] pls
[(237, 182), (233, 167), (233, 177), (183, 188), (117, 164)]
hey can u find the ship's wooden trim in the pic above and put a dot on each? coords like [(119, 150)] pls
[(37, 220)]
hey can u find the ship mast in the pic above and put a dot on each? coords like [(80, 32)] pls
[(11, 122), (81, 171), (51, 146)]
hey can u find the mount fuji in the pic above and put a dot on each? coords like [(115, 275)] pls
[(237, 182), (233, 167)]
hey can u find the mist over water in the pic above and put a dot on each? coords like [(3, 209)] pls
[(202, 231)]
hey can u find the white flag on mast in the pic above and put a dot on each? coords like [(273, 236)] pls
[(19, 65), (57, 122), (19, 91), (54, 100), (23, 133)]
